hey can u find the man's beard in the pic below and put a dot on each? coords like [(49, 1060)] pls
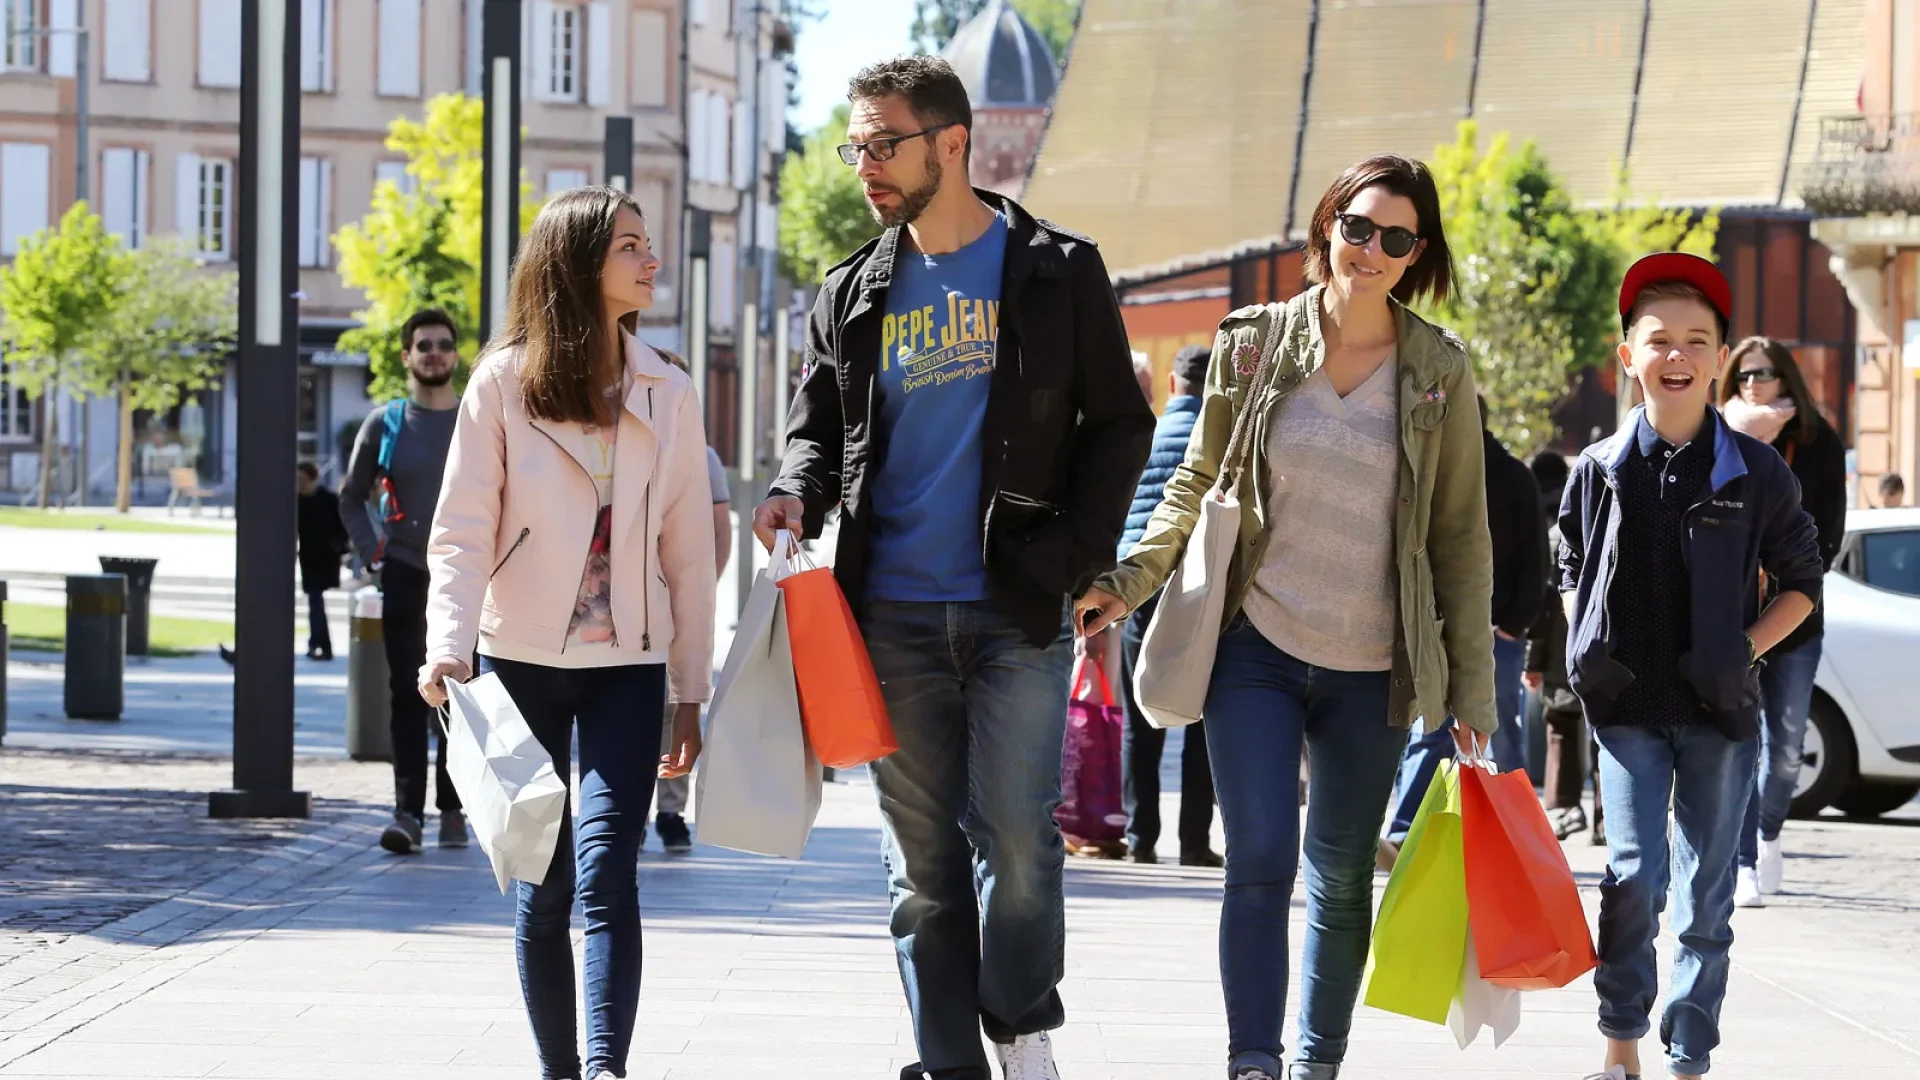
[(912, 203), (433, 378)]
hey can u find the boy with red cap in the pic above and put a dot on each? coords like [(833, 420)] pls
[(1666, 528)]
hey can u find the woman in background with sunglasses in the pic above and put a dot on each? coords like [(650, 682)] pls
[(1358, 597), (1767, 398)]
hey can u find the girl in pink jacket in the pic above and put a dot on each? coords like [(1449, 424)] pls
[(573, 548)]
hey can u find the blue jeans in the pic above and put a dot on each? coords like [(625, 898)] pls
[(1424, 753), (974, 860), (1708, 779), (1262, 705), (1786, 696), (619, 712)]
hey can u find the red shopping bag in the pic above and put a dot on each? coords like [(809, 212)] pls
[(1529, 930), (840, 704), (1091, 811)]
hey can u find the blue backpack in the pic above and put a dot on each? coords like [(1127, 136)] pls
[(392, 419)]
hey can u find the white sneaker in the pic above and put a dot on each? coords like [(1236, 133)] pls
[(1613, 1072), (1746, 890), (1773, 865), (1028, 1057)]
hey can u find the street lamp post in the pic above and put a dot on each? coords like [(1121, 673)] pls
[(500, 154), (268, 380)]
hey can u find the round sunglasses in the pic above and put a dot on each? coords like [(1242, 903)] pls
[(1759, 374), (1395, 241)]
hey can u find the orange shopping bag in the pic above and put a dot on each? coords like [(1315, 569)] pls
[(840, 704), (1529, 930)]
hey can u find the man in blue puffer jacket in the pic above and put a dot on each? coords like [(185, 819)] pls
[(1141, 747)]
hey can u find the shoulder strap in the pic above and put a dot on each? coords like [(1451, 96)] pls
[(392, 420), (1232, 462)]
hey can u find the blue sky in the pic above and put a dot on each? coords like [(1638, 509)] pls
[(851, 35)]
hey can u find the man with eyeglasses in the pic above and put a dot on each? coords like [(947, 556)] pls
[(393, 478), (970, 408)]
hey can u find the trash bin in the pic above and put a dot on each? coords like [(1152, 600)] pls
[(96, 646), (139, 575), (369, 701)]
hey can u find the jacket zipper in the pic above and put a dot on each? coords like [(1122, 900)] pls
[(521, 539), (646, 556)]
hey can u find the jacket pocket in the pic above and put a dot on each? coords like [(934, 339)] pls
[(1428, 415), (1430, 676)]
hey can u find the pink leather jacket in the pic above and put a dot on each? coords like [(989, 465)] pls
[(516, 514)]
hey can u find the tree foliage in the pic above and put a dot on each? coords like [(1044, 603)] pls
[(1537, 278), (422, 249), (936, 21), (823, 215)]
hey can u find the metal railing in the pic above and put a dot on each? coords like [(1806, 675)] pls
[(1865, 164)]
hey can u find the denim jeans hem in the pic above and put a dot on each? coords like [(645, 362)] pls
[(1626, 1034), (1314, 1070), (1689, 1068), (1254, 1059)]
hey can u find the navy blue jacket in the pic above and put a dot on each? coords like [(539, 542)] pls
[(1747, 517), (1170, 435)]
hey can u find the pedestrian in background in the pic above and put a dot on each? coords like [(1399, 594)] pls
[(1568, 762), (1893, 490), (323, 540), (386, 503), (1357, 596), (584, 575), (1142, 743), (1767, 398)]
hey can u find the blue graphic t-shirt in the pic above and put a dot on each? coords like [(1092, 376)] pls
[(936, 363)]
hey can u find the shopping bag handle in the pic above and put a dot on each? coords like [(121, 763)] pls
[(1099, 666), (787, 556), (1480, 754)]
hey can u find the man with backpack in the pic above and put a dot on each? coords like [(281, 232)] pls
[(394, 479)]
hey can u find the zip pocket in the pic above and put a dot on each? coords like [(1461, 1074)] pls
[(1029, 502), (521, 539)]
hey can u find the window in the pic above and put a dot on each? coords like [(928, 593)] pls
[(399, 47), (61, 54), (203, 205), (697, 135), (128, 27), (649, 63), (123, 194), (559, 180), (1892, 560), (476, 46), (316, 212), (26, 173), (395, 173), (16, 410), (556, 51), (719, 125), (743, 156), (723, 290), (220, 43), (316, 46), (18, 53), (697, 11)]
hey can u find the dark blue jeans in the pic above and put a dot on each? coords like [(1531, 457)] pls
[(975, 863), (1786, 697), (619, 712), (1262, 706), (1424, 753), (1707, 779)]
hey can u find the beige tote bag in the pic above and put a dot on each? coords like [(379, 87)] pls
[(1170, 678)]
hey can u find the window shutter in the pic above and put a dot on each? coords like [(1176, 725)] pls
[(540, 55), (721, 138), (117, 194), (142, 171), (400, 48), (647, 62), (220, 43), (62, 52), (25, 175), (323, 244), (309, 210), (599, 53), (312, 49), (743, 157), (697, 135), (186, 199), (129, 40), (476, 45)]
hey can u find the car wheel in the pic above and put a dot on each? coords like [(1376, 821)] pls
[(1871, 798), (1828, 762)]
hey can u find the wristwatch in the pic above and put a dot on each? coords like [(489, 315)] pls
[(1753, 654)]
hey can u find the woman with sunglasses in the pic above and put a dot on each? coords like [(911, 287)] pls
[(1767, 398), (1358, 595), (574, 543)]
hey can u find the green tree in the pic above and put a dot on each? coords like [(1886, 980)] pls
[(823, 215), (62, 288), (422, 249), (936, 21), (167, 337)]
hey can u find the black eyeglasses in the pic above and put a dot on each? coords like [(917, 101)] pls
[(429, 345), (883, 149), (1759, 374), (1394, 240)]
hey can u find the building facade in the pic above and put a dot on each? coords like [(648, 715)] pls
[(1010, 75)]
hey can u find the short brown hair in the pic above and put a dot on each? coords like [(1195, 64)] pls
[(1673, 290), (930, 86), (1431, 274)]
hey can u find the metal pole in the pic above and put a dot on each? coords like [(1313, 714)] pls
[(80, 100), (268, 401), (500, 201)]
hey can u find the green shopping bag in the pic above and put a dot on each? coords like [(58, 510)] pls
[(1420, 936)]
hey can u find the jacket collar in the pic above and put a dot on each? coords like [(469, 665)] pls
[(1421, 349), (1729, 464), (1033, 247)]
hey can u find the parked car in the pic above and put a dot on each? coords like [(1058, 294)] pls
[(1862, 754)]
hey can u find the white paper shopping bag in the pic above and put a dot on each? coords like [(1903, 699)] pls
[(512, 796), (758, 788), (1482, 1004)]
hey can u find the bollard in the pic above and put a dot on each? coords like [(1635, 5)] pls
[(369, 700), (3, 659), (96, 646), (139, 575)]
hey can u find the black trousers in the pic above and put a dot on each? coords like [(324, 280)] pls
[(403, 623), (1140, 751), (319, 634)]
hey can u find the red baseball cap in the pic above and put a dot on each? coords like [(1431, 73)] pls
[(1677, 266)]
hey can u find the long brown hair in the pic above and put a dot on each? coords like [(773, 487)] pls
[(554, 311), (1806, 411)]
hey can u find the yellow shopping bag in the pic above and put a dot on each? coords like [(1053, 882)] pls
[(1420, 936)]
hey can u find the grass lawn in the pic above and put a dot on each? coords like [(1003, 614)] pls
[(43, 628), (21, 517)]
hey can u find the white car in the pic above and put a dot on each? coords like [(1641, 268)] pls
[(1862, 753)]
